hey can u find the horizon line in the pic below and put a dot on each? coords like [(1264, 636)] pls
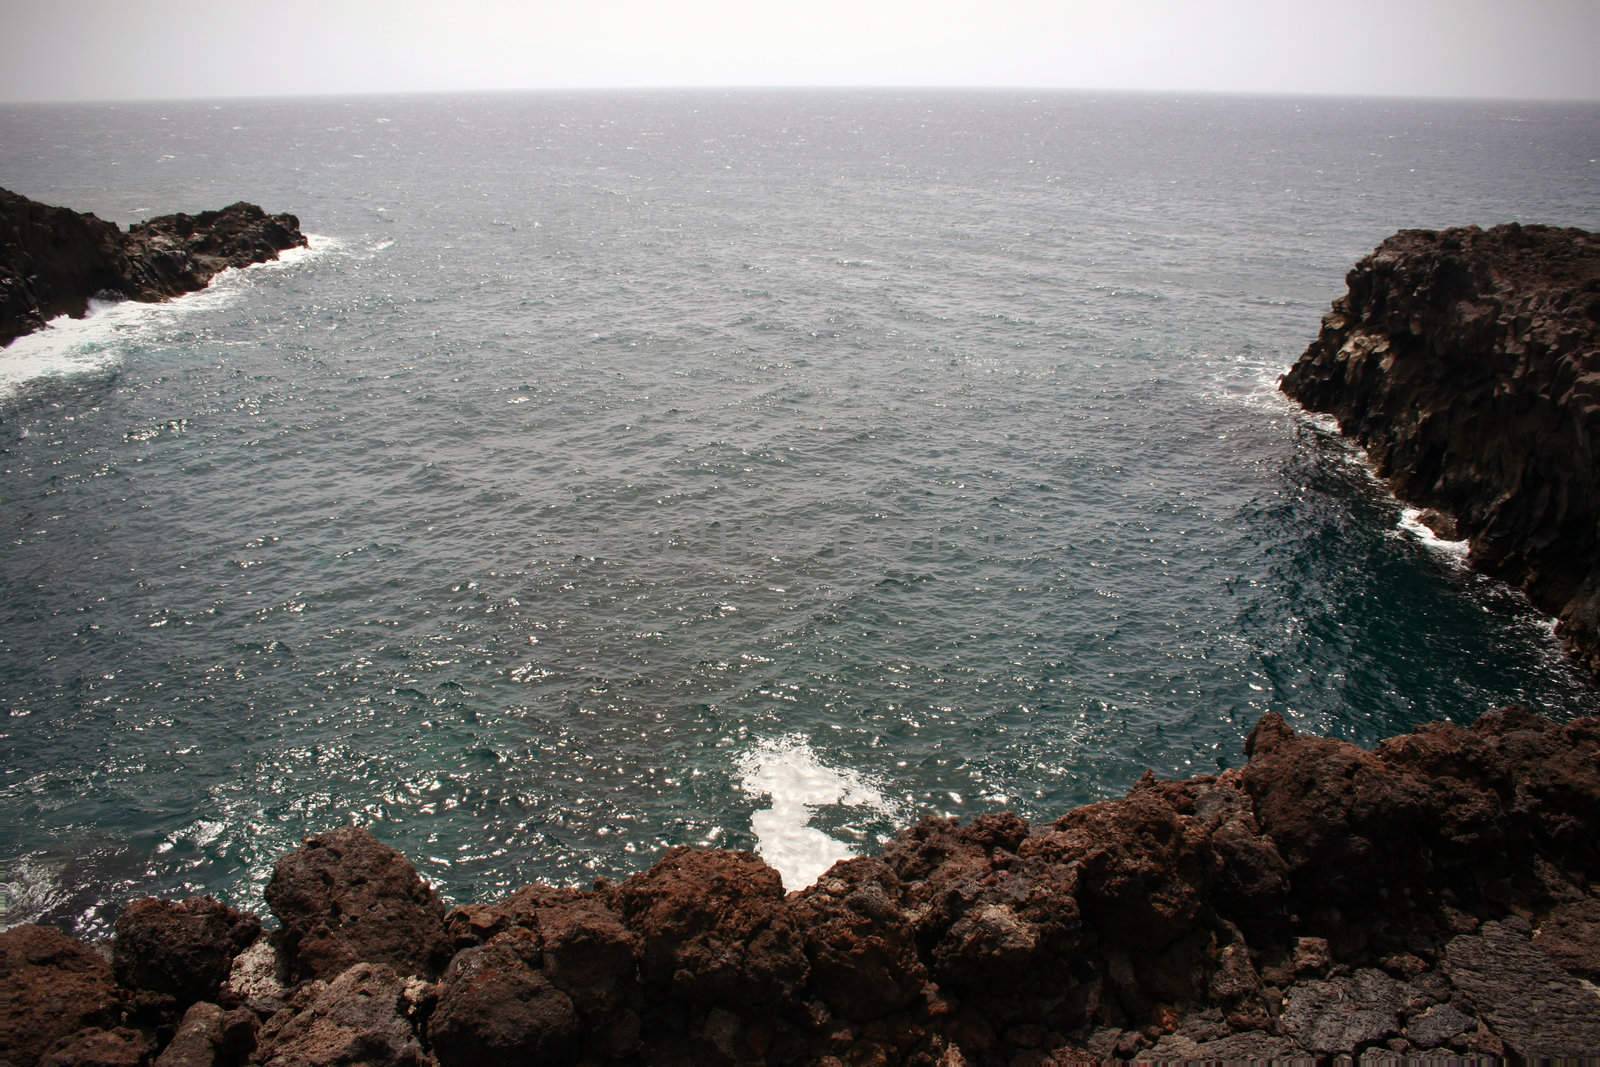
[(781, 88)]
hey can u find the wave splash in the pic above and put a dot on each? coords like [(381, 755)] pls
[(1453, 551), (93, 345), (789, 775)]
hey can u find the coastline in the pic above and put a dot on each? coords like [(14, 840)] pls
[(55, 261), (1433, 896), (1465, 362)]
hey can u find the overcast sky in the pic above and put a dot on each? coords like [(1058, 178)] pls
[(128, 49)]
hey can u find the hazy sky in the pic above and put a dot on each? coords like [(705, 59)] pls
[(100, 50)]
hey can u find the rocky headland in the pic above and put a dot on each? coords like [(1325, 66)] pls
[(1467, 363), (1434, 898), (53, 260)]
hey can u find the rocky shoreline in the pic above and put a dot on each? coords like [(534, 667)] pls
[(1467, 363), (1434, 898), (53, 260)]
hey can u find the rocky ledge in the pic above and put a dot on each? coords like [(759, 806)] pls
[(1467, 362), (53, 259), (1434, 898)]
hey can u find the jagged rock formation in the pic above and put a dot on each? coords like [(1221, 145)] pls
[(1437, 897), (53, 259), (1467, 363)]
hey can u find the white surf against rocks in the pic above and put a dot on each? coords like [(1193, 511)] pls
[(67, 347), (796, 783), (1454, 551)]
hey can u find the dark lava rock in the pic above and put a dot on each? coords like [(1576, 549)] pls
[(359, 1019), (1250, 1046), (476, 924), (1533, 1006), (53, 259), (497, 1007), (1438, 1025), (589, 954), (1426, 811), (714, 929), (211, 1037), (1342, 1014), (1571, 935), (198, 1041), (50, 986), (343, 898), (1467, 363), (861, 945), (1322, 901), (122, 1047), (181, 949)]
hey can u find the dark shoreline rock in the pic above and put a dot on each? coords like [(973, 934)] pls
[(1435, 897), (1467, 363), (54, 259)]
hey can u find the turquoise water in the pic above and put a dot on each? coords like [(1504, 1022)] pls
[(750, 469)]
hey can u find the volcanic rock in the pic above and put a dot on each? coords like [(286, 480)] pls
[(344, 898), (121, 1047), (1339, 1014), (181, 949), (861, 945), (714, 929), (1534, 1007), (497, 1007), (54, 259), (50, 986), (357, 1019), (1467, 363), (1436, 892)]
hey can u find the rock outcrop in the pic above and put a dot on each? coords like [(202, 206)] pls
[(54, 259), (1436, 897), (1467, 363), (343, 898), (180, 949)]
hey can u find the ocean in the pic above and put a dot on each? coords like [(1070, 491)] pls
[(757, 469)]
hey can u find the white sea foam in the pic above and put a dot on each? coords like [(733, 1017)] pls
[(1243, 379), (67, 347), (796, 782), (1411, 522), (29, 889)]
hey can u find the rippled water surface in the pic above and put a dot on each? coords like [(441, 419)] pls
[(626, 470)]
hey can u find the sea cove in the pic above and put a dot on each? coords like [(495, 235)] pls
[(617, 467)]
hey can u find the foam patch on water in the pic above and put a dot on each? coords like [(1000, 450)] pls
[(1248, 381), (786, 772), (1411, 522), (29, 889), (93, 345)]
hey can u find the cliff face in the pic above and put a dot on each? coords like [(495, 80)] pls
[(1467, 362), (53, 259), (1439, 893)]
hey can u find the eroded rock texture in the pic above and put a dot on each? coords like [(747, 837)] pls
[(183, 949), (50, 986), (345, 898), (1467, 363), (54, 259)]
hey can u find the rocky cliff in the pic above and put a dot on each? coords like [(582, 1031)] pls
[(1436, 897), (1467, 363), (53, 259)]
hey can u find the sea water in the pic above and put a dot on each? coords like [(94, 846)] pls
[(741, 469)]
